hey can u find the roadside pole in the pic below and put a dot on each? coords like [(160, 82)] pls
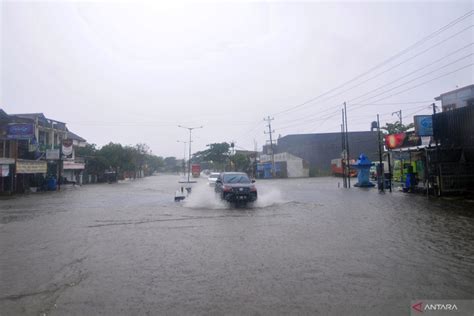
[(270, 132), (190, 141), (184, 155), (380, 169), (438, 156), (347, 149), (343, 152), (389, 153), (60, 165)]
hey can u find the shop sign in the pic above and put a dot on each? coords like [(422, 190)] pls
[(401, 140), (423, 125), (31, 166), (52, 154), (20, 131)]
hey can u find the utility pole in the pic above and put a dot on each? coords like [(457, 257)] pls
[(380, 178), (343, 152), (270, 131), (190, 141), (347, 148), (232, 154), (184, 155), (399, 114), (438, 175)]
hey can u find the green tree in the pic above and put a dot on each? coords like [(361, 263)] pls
[(218, 153), (395, 128), (170, 164), (154, 164), (113, 155), (95, 164), (240, 162)]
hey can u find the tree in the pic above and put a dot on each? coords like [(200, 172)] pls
[(396, 128), (154, 164), (114, 155), (241, 162), (218, 153), (170, 164)]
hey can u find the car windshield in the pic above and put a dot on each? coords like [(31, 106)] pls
[(214, 176), (236, 178)]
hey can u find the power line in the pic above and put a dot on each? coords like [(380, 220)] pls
[(442, 29), (391, 82), (373, 77), (393, 88), (420, 84), (332, 114), (416, 78), (406, 60)]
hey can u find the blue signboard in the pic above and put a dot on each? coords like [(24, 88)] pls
[(424, 125), (20, 131)]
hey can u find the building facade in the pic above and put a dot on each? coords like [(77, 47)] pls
[(456, 99), (319, 149), (31, 151), (294, 167)]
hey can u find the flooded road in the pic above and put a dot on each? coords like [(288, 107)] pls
[(306, 247)]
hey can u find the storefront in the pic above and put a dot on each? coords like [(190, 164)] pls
[(7, 171), (30, 175), (73, 171)]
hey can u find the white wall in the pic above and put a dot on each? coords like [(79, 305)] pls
[(458, 97)]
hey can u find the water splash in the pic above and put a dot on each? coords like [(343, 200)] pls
[(203, 196), (269, 198)]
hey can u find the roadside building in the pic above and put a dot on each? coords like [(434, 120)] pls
[(319, 149), (7, 156), (286, 166), (456, 99), (32, 147), (453, 159), (73, 166)]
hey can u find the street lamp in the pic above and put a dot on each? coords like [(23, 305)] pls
[(190, 141), (184, 155)]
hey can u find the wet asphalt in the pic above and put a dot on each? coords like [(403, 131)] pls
[(306, 247)]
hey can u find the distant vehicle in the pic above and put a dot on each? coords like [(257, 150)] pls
[(196, 170), (236, 187), (336, 168), (213, 178)]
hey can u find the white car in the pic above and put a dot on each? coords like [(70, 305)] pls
[(212, 178)]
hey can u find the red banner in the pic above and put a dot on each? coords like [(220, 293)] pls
[(400, 140)]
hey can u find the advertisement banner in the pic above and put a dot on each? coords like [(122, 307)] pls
[(20, 131), (401, 140), (67, 148), (423, 125), (31, 166)]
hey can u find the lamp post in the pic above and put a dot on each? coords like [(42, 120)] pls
[(184, 155), (190, 141)]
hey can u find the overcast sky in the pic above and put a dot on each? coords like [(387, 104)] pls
[(130, 73)]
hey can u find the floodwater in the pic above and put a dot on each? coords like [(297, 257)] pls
[(306, 247)]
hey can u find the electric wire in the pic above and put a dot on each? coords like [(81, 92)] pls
[(416, 44)]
